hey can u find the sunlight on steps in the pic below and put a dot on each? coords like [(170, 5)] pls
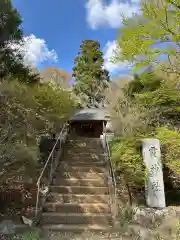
[(79, 193)]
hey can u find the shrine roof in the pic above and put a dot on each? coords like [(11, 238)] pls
[(88, 114)]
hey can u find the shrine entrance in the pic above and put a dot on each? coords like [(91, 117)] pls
[(91, 129), (88, 122)]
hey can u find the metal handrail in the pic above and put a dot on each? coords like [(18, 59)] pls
[(46, 164), (114, 210)]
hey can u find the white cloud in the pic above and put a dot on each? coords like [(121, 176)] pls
[(109, 52), (100, 14), (35, 51)]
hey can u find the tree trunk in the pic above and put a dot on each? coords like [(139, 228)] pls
[(129, 194)]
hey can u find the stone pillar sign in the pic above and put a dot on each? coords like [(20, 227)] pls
[(155, 196)]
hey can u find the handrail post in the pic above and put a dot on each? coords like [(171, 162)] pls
[(51, 168), (37, 198)]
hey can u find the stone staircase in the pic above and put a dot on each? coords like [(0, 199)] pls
[(79, 195)]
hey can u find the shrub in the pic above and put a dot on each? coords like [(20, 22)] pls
[(127, 159), (128, 162), (163, 102), (27, 112), (170, 144)]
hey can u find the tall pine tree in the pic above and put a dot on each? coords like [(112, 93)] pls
[(91, 78)]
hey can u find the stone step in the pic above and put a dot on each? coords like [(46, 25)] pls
[(82, 152), (86, 163), (69, 159), (19, 229), (79, 189), (80, 182), (80, 175), (76, 208), (84, 146), (85, 157), (76, 228), (85, 154), (80, 198), (75, 218), (84, 140), (67, 168)]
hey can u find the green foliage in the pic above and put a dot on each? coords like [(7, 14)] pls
[(141, 35), (163, 102), (170, 142), (10, 23), (143, 40), (159, 99), (27, 112), (128, 161), (27, 109), (91, 78), (32, 235), (55, 104), (147, 81), (128, 115), (11, 61)]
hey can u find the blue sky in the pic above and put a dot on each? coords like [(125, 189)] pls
[(55, 29)]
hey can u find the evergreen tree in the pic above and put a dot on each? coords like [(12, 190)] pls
[(11, 34), (91, 78), (10, 23)]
